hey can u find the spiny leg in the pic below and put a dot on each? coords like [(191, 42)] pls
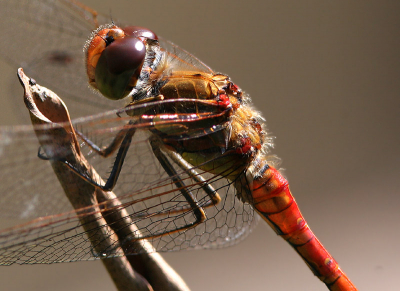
[(114, 145), (169, 169), (123, 140), (214, 196)]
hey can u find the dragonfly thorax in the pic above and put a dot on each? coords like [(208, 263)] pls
[(232, 136)]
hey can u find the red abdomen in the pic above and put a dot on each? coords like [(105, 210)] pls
[(273, 200)]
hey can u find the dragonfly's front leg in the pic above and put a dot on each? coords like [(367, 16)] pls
[(114, 145), (122, 141)]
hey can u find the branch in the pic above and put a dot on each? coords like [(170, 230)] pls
[(57, 137)]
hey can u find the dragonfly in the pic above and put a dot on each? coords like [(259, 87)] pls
[(191, 162)]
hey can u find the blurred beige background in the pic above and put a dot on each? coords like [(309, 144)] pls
[(325, 75)]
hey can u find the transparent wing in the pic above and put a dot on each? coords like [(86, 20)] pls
[(46, 38), (181, 60)]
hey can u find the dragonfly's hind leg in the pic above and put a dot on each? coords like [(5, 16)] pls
[(169, 169), (214, 196), (194, 206)]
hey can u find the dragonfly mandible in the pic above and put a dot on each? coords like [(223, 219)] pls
[(192, 155)]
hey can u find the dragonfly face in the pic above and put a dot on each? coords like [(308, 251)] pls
[(115, 57)]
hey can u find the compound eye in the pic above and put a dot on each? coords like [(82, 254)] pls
[(138, 31), (119, 66), (125, 54)]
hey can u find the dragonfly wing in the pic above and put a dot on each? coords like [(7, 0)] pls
[(29, 187), (181, 60), (46, 38)]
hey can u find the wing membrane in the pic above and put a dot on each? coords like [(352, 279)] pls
[(181, 59), (46, 38)]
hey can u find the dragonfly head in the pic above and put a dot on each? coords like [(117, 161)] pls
[(115, 57)]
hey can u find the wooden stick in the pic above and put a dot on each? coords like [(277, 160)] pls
[(57, 137)]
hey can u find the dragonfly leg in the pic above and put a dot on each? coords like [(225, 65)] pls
[(114, 145), (125, 137), (119, 160), (169, 169), (214, 196)]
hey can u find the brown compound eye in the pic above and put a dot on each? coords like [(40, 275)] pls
[(138, 31), (125, 54), (119, 66)]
